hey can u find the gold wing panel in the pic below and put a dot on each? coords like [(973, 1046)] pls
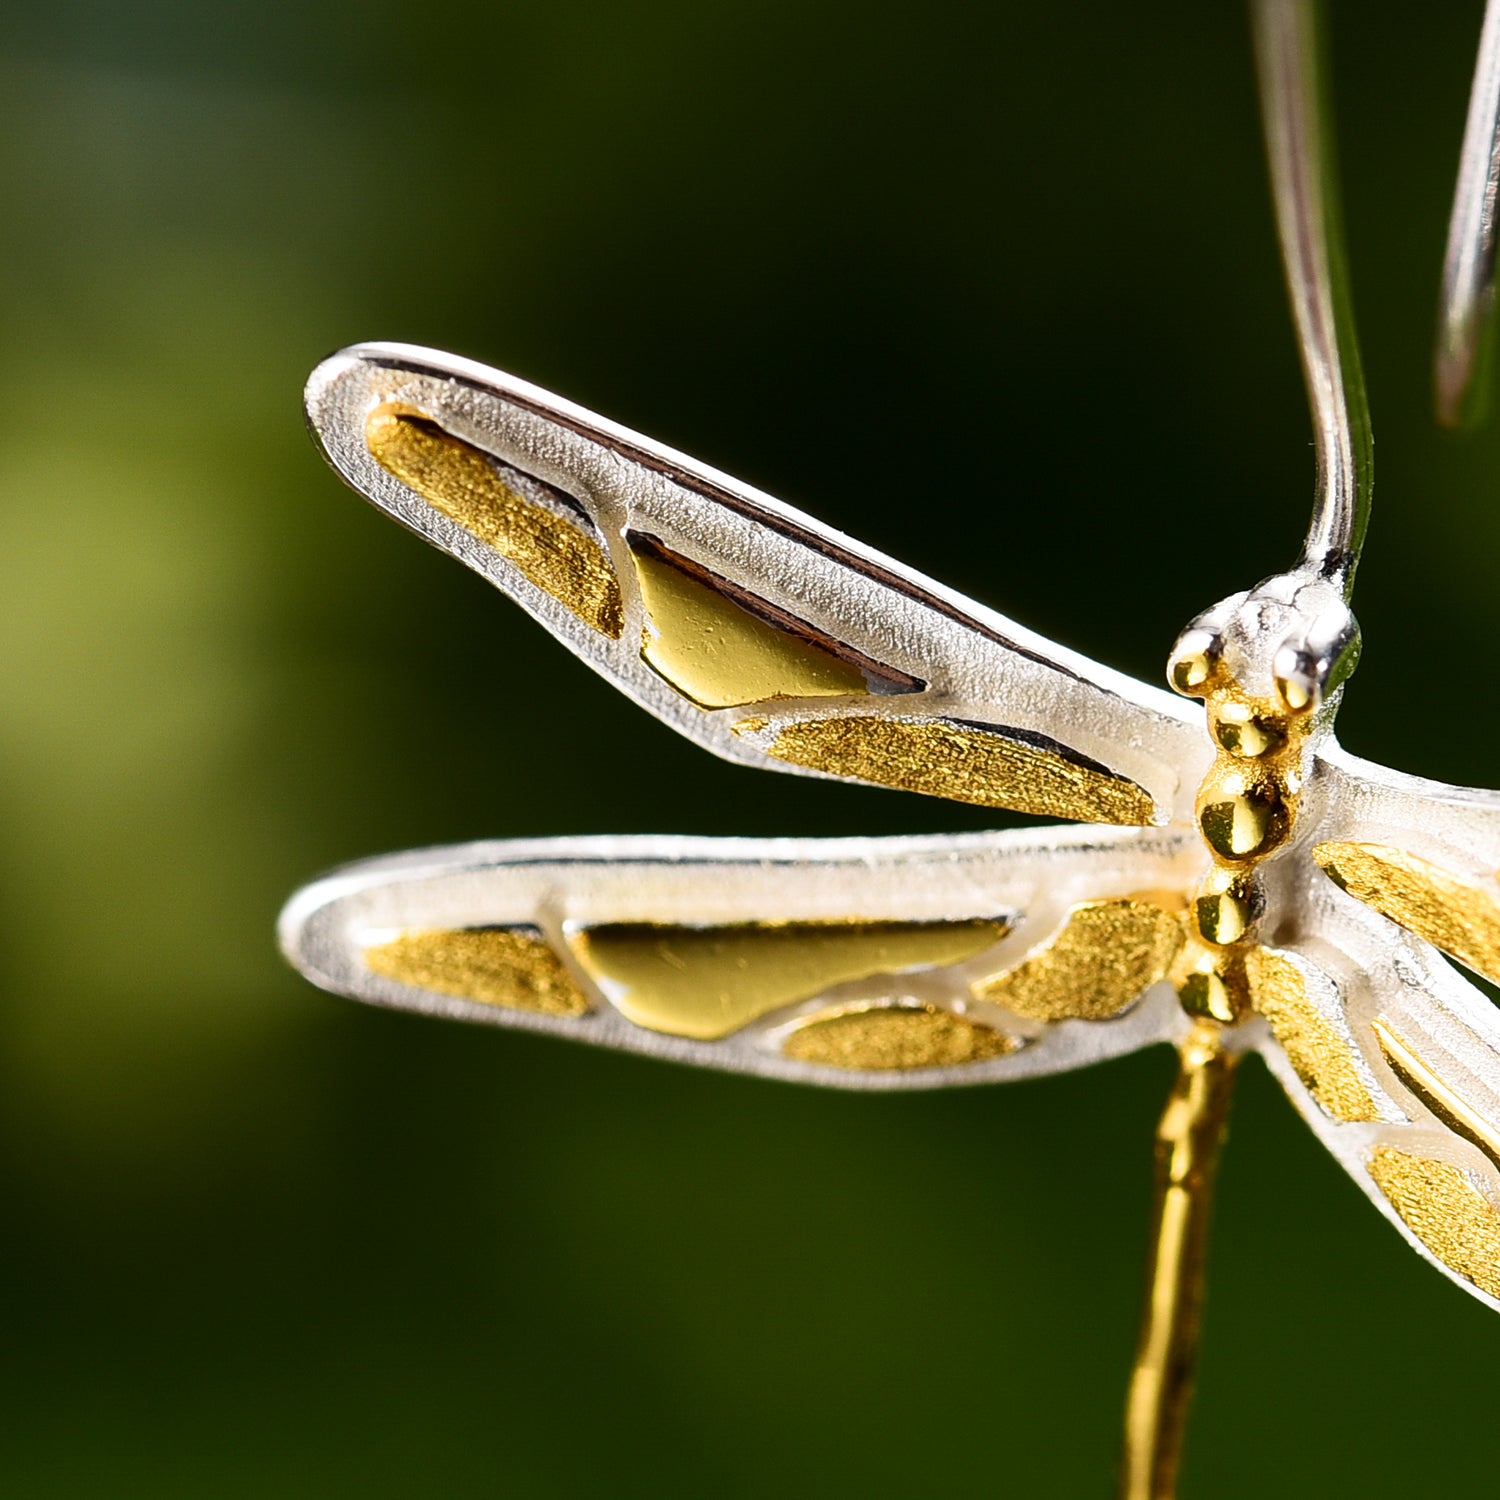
[(894, 1039), (761, 635), (1306, 1016), (512, 967), (1444, 1209), (1462, 917), (1104, 956), (962, 762), (707, 982), (551, 549)]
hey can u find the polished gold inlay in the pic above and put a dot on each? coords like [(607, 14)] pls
[(706, 982), (507, 966), (722, 648), (1105, 957), (555, 554), (1443, 1100), (1460, 918), (963, 763), (894, 1038), (1320, 1057), (1439, 1204)]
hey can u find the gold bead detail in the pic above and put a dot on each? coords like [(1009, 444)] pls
[(1212, 987), (1246, 734), (1242, 818), (1227, 906), (1189, 673)]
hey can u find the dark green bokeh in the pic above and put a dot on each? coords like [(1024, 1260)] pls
[(994, 289)]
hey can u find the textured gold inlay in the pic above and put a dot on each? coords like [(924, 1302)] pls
[(942, 758), (895, 1038), (1439, 1204), (506, 966), (1319, 1056), (1445, 1102), (1454, 915), (706, 982), (463, 483), (723, 648), (1105, 957)]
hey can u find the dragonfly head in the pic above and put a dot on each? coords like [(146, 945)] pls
[(1290, 643)]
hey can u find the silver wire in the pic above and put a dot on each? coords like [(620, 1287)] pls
[(1469, 265), (1299, 146)]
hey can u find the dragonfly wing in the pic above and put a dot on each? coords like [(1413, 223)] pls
[(1420, 853), (765, 637), (855, 962), (1394, 1059), (1455, 828)]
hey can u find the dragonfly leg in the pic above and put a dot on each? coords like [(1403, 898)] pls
[(1187, 1153)]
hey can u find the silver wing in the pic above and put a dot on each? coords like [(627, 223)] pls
[(862, 963), (1456, 828), (758, 633), (1390, 1054)]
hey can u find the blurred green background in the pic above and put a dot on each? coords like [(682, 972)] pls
[(994, 288)]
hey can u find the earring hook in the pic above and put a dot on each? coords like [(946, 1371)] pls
[(1468, 301), (1299, 146), (1294, 637)]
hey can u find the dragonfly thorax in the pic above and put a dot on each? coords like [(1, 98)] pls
[(1268, 665)]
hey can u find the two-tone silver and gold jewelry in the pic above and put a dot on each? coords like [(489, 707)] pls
[(1240, 882)]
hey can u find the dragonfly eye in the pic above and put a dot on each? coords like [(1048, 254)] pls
[(1287, 645), (1296, 676), (1194, 662)]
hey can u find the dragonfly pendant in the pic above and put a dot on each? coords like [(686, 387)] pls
[(1234, 881)]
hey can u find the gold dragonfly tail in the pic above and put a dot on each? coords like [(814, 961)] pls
[(1187, 1154)]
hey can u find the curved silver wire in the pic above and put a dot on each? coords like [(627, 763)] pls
[(1299, 145), (1469, 265)]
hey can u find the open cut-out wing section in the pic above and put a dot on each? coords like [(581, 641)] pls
[(1394, 1060), (765, 637), (862, 963)]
